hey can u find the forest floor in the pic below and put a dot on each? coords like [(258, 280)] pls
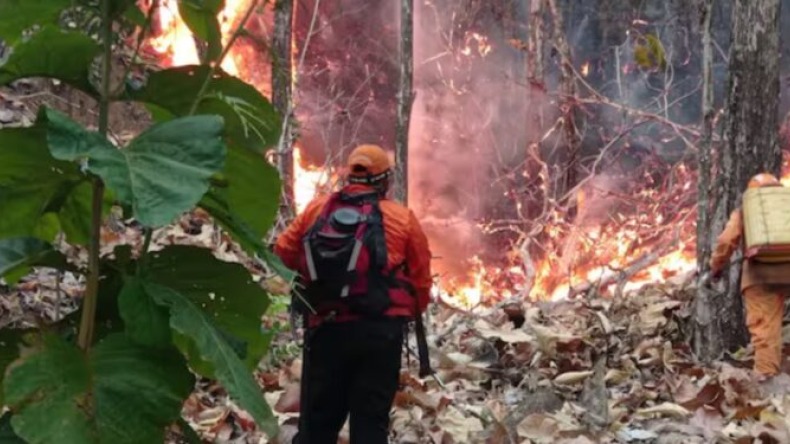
[(592, 370)]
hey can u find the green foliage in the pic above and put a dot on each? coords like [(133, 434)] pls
[(21, 253), (191, 321), (649, 53), (7, 435), (19, 15), (10, 342), (201, 17), (250, 119), (218, 207), (34, 186), (223, 290), (144, 322), (52, 53), (251, 189), (118, 392), (162, 173)]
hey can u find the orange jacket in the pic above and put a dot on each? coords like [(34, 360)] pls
[(406, 243), (753, 273)]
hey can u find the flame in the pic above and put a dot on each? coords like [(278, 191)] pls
[(175, 39), (585, 69), (786, 169), (476, 41), (175, 44), (307, 180)]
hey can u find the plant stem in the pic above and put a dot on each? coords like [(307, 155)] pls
[(90, 301), (144, 252), (225, 51)]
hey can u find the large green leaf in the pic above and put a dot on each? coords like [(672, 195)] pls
[(54, 53), (189, 320), (119, 393), (75, 214), (216, 205), (254, 189), (251, 188), (201, 17), (165, 170), (67, 139), (250, 120), (10, 343), (224, 290), (19, 15), (32, 183), (146, 322)]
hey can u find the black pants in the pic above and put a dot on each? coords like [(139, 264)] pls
[(350, 368)]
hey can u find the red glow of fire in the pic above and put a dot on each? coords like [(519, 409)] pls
[(600, 247)]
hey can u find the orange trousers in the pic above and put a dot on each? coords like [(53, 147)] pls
[(764, 313)]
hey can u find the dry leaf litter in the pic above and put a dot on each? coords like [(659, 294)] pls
[(596, 370)]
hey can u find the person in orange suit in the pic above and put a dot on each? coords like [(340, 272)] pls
[(359, 300), (764, 287)]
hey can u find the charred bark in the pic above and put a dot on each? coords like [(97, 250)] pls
[(281, 94), (751, 143), (405, 100)]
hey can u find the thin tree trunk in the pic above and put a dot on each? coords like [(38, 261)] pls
[(281, 95), (750, 137), (707, 344), (535, 43), (567, 162), (405, 100)]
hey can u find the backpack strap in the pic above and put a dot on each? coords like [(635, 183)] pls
[(358, 243), (317, 226)]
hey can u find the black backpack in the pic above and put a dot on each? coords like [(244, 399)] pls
[(345, 258)]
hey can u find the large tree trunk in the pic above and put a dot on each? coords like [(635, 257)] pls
[(405, 100), (751, 145)]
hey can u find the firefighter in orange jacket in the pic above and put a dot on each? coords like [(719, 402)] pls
[(359, 294), (764, 287)]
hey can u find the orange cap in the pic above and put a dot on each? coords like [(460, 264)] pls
[(764, 180), (368, 160)]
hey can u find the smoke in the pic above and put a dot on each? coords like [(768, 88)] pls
[(469, 121), (475, 115), (347, 82)]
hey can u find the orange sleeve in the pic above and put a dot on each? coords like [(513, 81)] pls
[(289, 246), (418, 261), (728, 242)]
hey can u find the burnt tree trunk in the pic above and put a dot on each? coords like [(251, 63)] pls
[(281, 96), (751, 143), (405, 100)]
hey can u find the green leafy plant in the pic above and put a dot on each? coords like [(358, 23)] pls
[(119, 369)]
